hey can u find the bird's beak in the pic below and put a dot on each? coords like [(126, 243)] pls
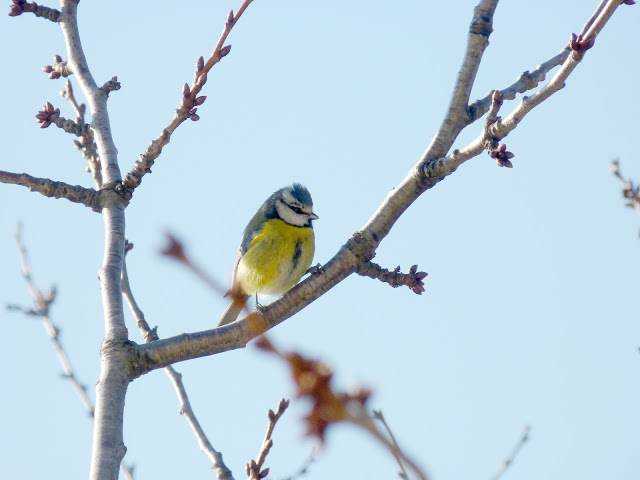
[(313, 216)]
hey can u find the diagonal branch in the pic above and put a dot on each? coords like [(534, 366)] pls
[(358, 249), (502, 127), (524, 438), (150, 335), (188, 106)]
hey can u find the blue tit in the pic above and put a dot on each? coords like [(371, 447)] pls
[(276, 250)]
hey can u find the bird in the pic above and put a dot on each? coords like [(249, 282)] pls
[(276, 250)]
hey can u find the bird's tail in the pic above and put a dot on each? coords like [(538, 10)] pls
[(233, 310)]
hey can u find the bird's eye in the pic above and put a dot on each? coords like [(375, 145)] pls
[(298, 210)]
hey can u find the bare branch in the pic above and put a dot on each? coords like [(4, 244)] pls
[(501, 128), (149, 335), (507, 463), (457, 116), (42, 304), (188, 106), (629, 191), (254, 467), (50, 188), (49, 115), (21, 6), (359, 249), (86, 144), (377, 414), (108, 443), (394, 278)]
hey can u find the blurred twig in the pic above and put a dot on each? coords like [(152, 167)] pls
[(41, 309), (507, 463), (629, 191), (377, 414)]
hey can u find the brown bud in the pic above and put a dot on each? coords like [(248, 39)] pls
[(224, 51), (200, 100), (200, 65), (57, 59), (186, 91), (195, 117), (230, 18)]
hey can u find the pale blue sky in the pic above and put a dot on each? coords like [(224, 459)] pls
[(531, 311)]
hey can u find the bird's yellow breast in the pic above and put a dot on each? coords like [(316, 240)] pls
[(276, 258)]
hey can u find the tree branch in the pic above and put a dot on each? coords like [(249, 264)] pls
[(254, 467), (86, 144), (42, 306), (394, 278), (509, 461), (51, 188), (360, 248), (21, 6), (630, 191), (108, 447), (149, 335), (502, 127), (188, 106)]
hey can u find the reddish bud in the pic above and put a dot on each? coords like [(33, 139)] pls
[(186, 91), (230, 18), (224, 51), (200, 100)]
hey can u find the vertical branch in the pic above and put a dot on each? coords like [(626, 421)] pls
[(108, 447)]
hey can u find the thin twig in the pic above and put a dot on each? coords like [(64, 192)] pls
[(41, 309), (254, 467), (524, 438), (377, 414), (394, 278), (304, 468), (188, 106), (86, 144), (630, 191), (149, 335)]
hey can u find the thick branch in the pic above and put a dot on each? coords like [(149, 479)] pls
[(457, 117), (108, 447), (50, 188), (358, 250)]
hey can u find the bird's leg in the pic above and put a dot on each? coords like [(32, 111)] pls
[(314, 269)]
